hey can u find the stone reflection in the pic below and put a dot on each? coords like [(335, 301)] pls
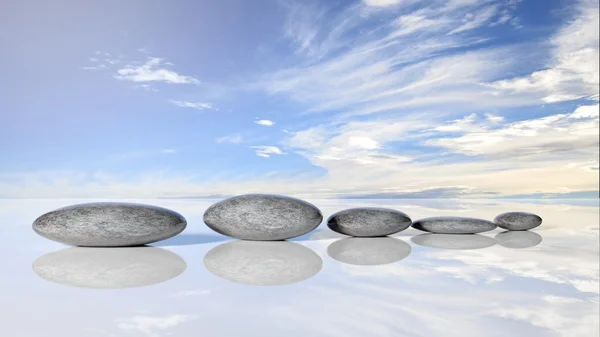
[(263, 263), (368, 251), (453, 241), (109, 268), (518, 239)]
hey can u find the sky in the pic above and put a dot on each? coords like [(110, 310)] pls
[(320, 99)]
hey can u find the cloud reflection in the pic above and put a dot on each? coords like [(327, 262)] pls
[(109, 268), (453, 241), (368, 251), (262, 263)]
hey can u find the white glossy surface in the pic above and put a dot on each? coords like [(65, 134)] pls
[(550, 289)]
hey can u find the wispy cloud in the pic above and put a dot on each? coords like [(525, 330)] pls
[(153, 71), (233, 139), (151, 325), (192, 105), (169, 151), (267, 151), (264, 122)]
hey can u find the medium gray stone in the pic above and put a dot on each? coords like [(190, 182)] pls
[(109, 224), (263, 263), (518, 221), (453, 225), (264, 217), (368, 251), (368, 221), (453, 241), (518, 239), (109, 268)]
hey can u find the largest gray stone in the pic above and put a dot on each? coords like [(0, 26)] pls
[(109, 224), (453, 225), (263, 217), (518, 221), (109, 268), (368, 221)]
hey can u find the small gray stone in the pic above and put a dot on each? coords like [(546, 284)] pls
[(368, 221), (518, 221), (262, 217), (453, 241), (109, 224), (109, 268), (453, 225), (263, 263), (518, 239), (368, 251)]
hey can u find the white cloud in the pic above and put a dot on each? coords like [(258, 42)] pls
[(267, 151), (150, 325), (193, 105), (169, 151), (265, 122), (381, 3), (153, 71), (233, 139)]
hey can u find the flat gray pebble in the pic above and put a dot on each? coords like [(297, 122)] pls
[(518, 239), (263, 263), (109, 224), (109, 268), (518, 221), (453, 225), (368, 221), (368, 251), (453, 241), (263, 217)]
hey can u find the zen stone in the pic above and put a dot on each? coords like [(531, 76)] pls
[(109, 224), (109, 268), (518, 239), (368, 251), (368, 221), (262, 217), (263, 263), (454, 225), (453, 241), (518, 221)]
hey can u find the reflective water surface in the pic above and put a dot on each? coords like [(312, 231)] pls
[(543, 282)]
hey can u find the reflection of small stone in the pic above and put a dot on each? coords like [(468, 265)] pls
[(518, 221), (453, 241), (263, 263), (109, 267), (518, 239), (262, 217), (454, 225), (368, 251), (368, 221), (109, 224)]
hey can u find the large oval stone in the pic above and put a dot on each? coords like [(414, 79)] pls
[(518, 221), (109, 268), (109, 224), (368, 221), (453, 241), (368, 251), (263, 263), (454, 225), (262, 217)]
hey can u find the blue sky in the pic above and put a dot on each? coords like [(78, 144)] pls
[(321, 99)]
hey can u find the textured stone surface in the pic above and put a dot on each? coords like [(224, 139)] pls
[(368, 221), (109, 224), (453, 241), (518, 221), (262, 217), (123, 267), (368, 251), (518, 239), (263, 263), (454, 225)]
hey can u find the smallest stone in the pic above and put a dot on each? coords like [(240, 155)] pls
[(518, 221)]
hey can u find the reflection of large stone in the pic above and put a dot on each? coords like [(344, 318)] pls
[(453, 225), (124, 267), (518, 239), (263, 263), (518, 221), (368, 221), (109, 224), (368, 251), (262, 217), (453, 241)]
